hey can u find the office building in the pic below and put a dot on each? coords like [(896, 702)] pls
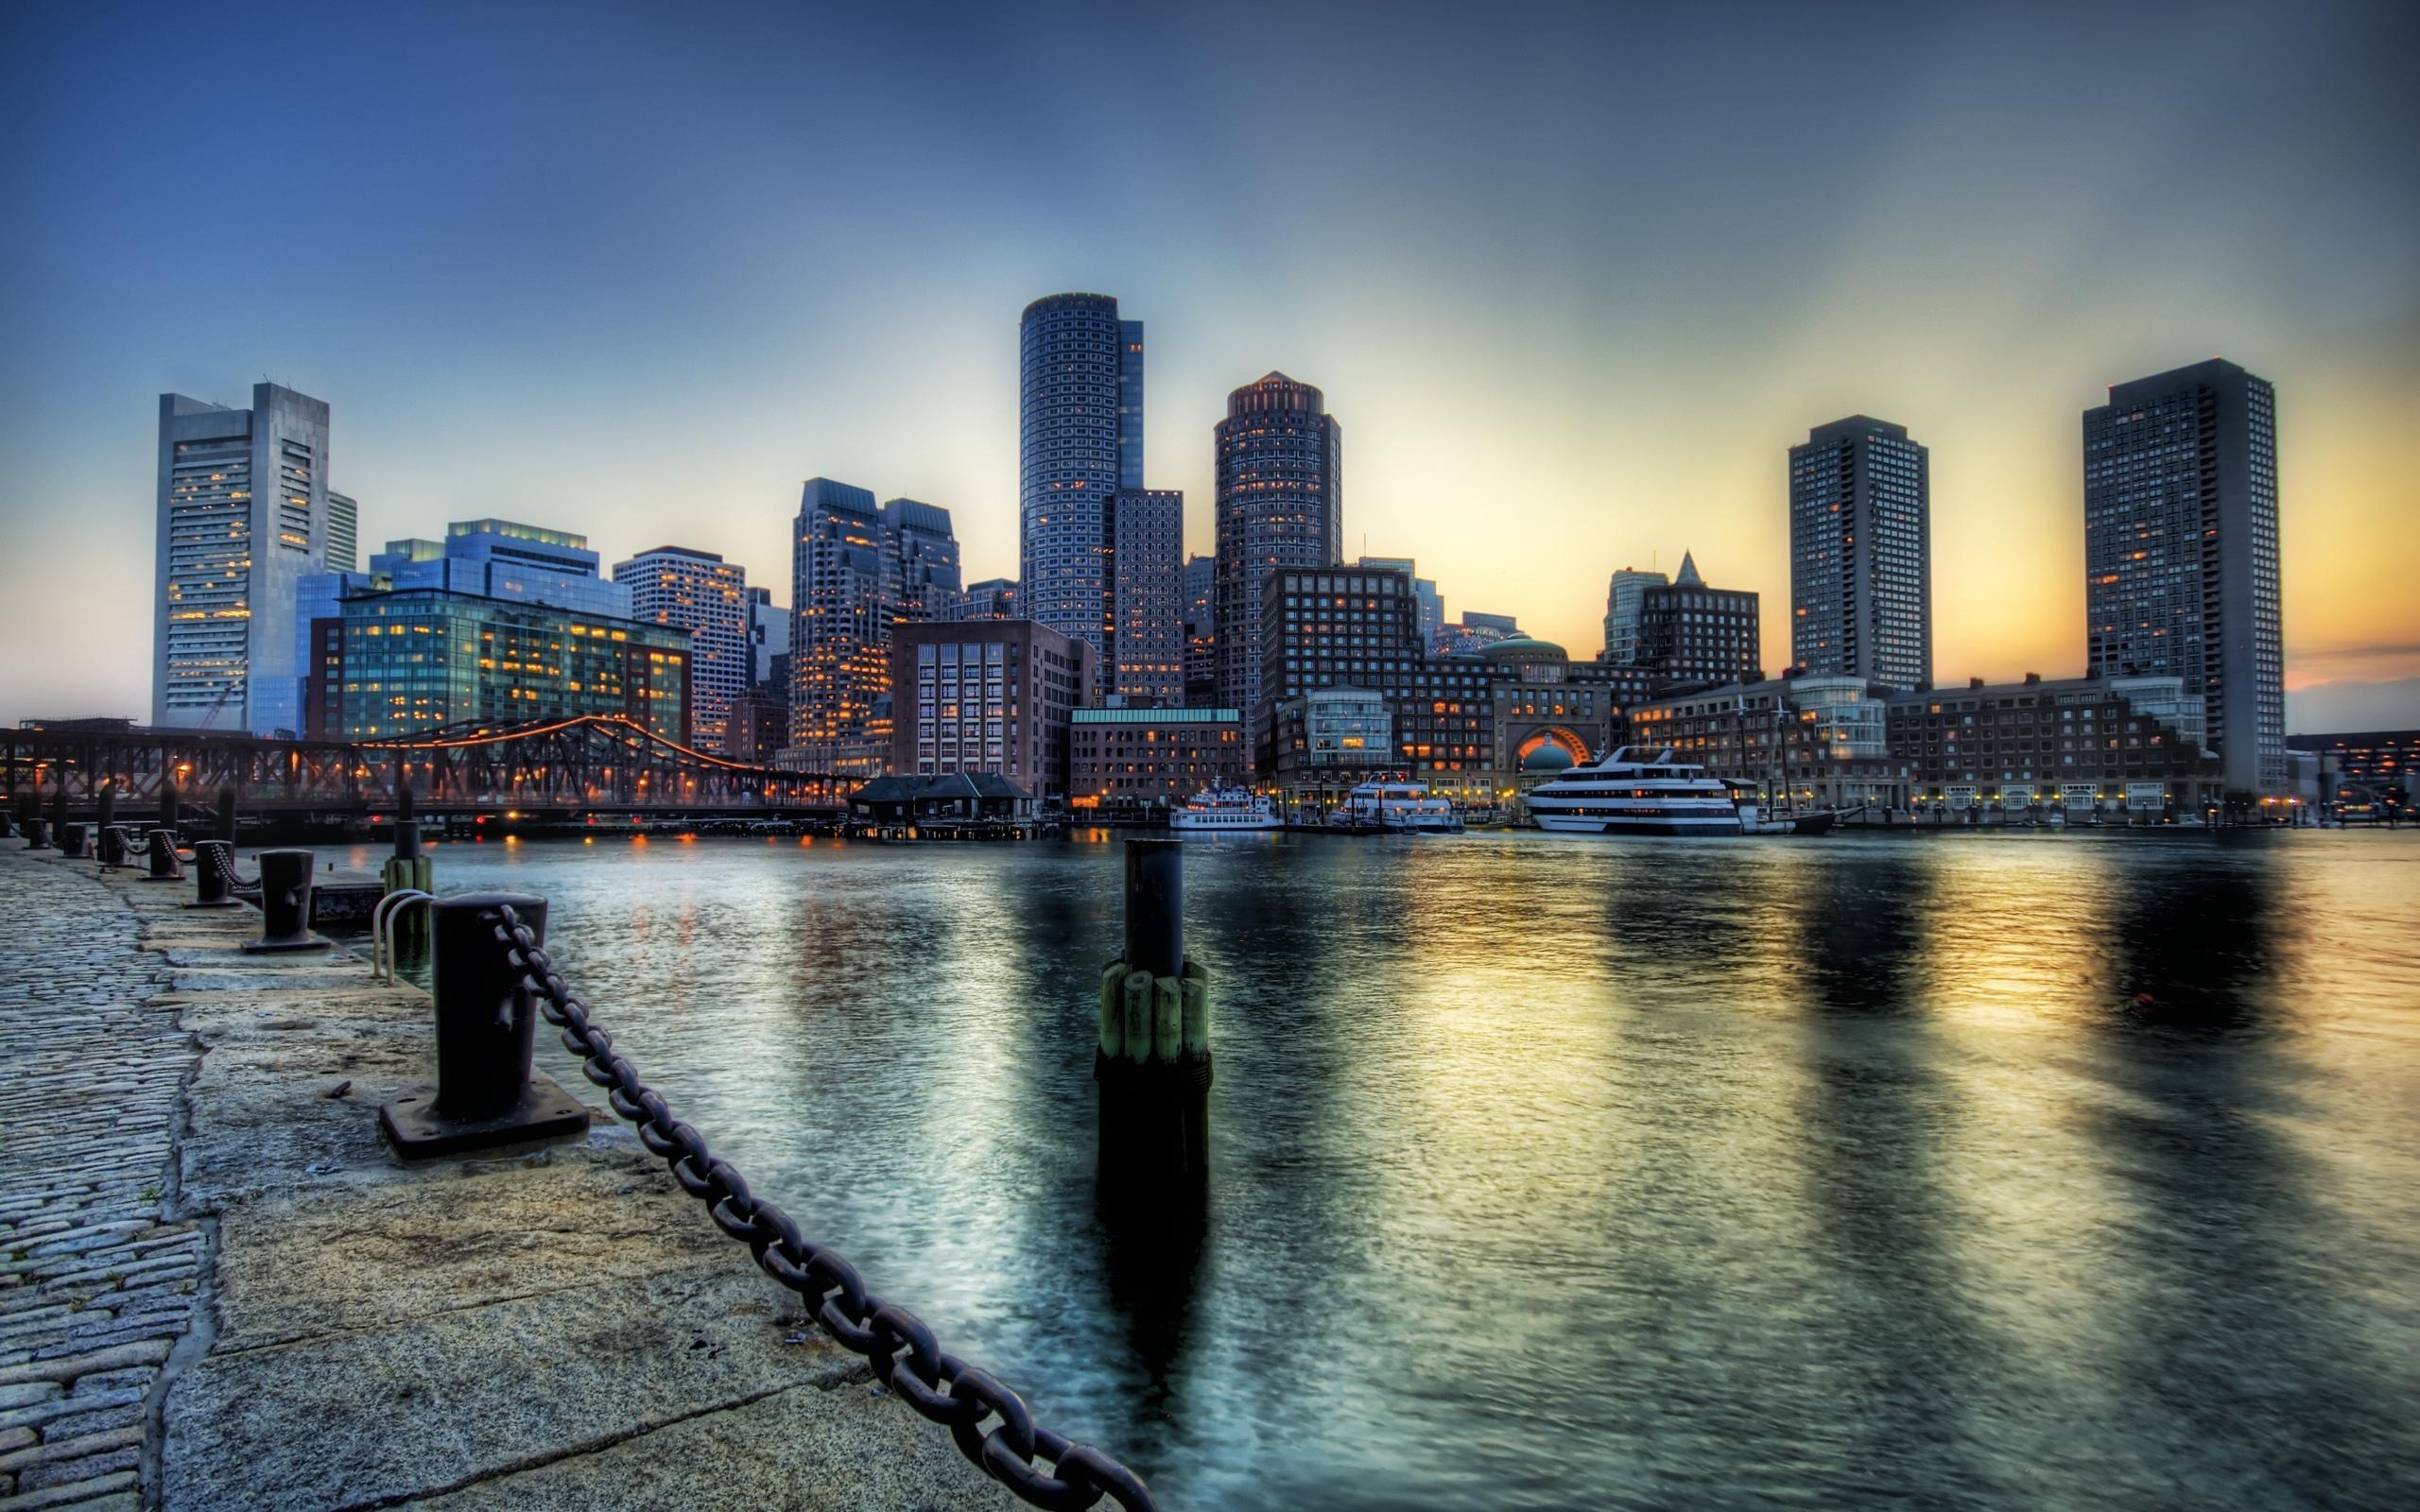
[(924, 581), (242, 518), (1081, 440), (840, 628), (1691, 633), (504, 559), (1137, 758), (404, 660), (1475, 632), (1147, 567), (343, 553), (987, 695), (1327, 741), (1279, 459), (1622, 613), (1861, 552), (2180, 502), (769, 636), (994, 598), (697, 591), (1201, 631)]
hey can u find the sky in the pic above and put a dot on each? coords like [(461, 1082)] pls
[(1573, 279)]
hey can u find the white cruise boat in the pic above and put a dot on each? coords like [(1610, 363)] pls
[(1219, 810), (1625, 795), (1396, 808)]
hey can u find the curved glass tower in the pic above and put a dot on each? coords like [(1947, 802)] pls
[(1281, 468), (1081, 440)]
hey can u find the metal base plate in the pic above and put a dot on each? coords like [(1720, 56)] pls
[(545, 1111), (223, 902), (271, 947)]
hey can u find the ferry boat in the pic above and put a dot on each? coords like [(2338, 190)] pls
[(1221, 810), (1625, 793), (1396, 808)]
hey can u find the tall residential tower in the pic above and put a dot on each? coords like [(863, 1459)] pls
[(697, 591), (2180, 555), (1081, 440), (840, 626), (1861, 552), (1280, 458)]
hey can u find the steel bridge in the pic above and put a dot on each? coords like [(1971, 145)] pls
[(591, 764)]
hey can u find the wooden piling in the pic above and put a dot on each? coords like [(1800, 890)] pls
[(1152, 1055)]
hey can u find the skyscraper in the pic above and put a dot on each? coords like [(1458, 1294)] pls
[(242, 518), (1081, 440), (1147, 627), (2180, 520), (697, 591), (1201, 631), (344, 533), (1279, 459), (1861, 552), (1688, 632), (1424, 589), (924, 579), (1622, 613), (840, 640)]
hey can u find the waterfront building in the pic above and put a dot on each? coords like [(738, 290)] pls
[(1691, 633), (1547, 715), (2377, 770), (1146, 630), (769, 636), (987, 695), (1329, 740), (1622, 596), (1201, 631), (1424, 590), (504, 559), (344, 554), (2080, 744), (1081, 441), (994, 598), (840, 630), (1473, 632), (411, 659), (2180, 501), (319, 613), (1132, 757), (922, 553), (1280, 457), (701, 593), (1861, 552), (242, 517)]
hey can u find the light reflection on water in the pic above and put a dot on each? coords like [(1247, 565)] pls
[(1554, 1172)]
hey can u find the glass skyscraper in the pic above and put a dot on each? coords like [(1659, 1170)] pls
[(840, 623), (2180, 522), (1861, 552), (1081, 440), (1279, 459)]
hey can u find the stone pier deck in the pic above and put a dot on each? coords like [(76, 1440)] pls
[(218, 1290)]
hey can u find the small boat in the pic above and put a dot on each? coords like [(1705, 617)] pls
[(1223, 810), (1396, 808)]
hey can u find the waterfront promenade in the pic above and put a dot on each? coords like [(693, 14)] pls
[(219, 1290)]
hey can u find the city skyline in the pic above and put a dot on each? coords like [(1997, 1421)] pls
[(1612, 383)]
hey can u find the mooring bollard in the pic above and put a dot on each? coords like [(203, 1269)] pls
[(286, 903), (76, 841), (117, 847), (214, 875), (1152, 1060), (487, 1027), (163, 858), (37, 834), (408, 868), (225, 827)]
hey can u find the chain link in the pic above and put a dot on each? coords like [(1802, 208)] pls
[(901, 1351)]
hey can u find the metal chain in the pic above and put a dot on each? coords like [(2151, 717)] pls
[(902, 1349)]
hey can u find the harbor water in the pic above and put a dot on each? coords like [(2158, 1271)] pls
[(1967, 1171)]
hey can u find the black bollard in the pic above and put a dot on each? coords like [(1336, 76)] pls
[(170, 810), (117, 847), (1152, 1061), (164, 858), (487, 1027), (76, 841), (227, 814), (105, 808), (214, 875), (285, 904), (37, 834)]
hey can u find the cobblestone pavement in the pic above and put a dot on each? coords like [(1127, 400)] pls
[(95, 1287)]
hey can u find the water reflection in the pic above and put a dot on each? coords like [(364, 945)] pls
[(1549, 1173)]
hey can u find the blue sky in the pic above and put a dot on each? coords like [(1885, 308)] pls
[(1573, 277)]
